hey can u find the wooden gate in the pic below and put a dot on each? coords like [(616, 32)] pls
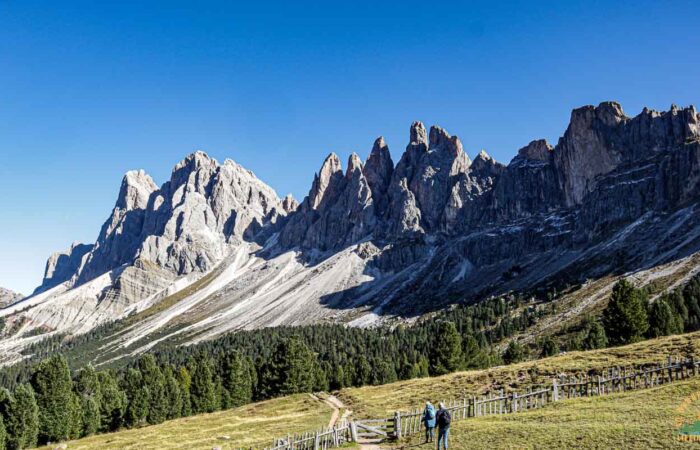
[(374, 429)]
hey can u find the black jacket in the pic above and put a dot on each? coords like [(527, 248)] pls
[(443, 418)]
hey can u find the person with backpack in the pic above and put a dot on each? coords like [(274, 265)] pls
[(429, 421), (443, 419)]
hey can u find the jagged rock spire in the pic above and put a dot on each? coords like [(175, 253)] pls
[(329, 171), (379, 170)]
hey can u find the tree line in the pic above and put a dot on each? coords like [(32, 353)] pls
[(47, 402), (630, 316)]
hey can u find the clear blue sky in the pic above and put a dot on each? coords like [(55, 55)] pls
[(89, 90)]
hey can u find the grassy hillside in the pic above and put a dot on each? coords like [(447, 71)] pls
[(378, 401), (635, 419), (254, 425)]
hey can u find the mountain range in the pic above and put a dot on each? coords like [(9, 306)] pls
[(214, 249)]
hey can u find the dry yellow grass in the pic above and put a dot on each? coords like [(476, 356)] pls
[(592, 422), (382, 401), (254, 425), (641, 419)]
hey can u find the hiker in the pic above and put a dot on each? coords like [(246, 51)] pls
[(443, 419), (429, 421)]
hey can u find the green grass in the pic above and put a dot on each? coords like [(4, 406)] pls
[(254, 425), (640, 419)]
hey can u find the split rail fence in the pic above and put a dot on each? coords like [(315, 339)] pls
[(409, 423)]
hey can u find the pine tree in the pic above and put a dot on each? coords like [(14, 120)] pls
[(290, 369), (153, 379), (54, 395), (91, 419), (625, 317), (87, 386), (22, 418), (75, 414), (137, 396), (408, 371), (385, 373), (185, 381), (237, 379), (202, 389), (3, 433), (337, 378), (595, 337), (549, 347), (363, 372), (691, 296), (663, 321), (514, 353), (173, 393), (677, 302), (320, 378), (112, 402), (446, 349), (474, 357)]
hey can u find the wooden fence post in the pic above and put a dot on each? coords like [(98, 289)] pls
[(692, 364), (555, 390), (317, 440), (353, 431), (670, 369), (397, 424)]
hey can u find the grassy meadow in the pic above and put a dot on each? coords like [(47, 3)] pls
[(254, 425), (635, 419), (642, 419), (382, 401)]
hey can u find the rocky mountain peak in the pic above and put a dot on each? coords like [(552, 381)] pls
[(354, 166), (289, 204), (378, 170), (441, 139), (538, 150), (62, 266), (193, 173), (330, 170), (418, 133), (484, 164), (136, 189)]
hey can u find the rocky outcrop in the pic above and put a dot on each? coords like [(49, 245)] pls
[(378, 170), (8, 297), (186, 225), (62, 266), (338, 211), (119, 238)]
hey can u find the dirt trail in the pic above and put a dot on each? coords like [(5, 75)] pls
[(336, 405)]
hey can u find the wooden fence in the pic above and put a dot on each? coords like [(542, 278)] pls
[(328, 437), (402, 424)]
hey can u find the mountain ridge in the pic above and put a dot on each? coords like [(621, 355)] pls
[(380, 239)]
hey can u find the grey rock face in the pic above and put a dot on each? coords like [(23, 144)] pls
[(119, 238), (338, 211), (61, 266), (8, 297), (605, 172), (185, 225), (434, 226), (378, 171)]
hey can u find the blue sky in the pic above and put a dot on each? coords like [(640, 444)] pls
[(89, 90)]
